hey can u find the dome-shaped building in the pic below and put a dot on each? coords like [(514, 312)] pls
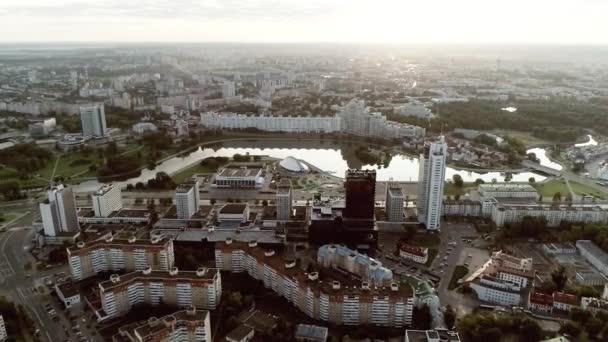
[(293, 165)]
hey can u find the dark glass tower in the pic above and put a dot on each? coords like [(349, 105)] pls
[(360, 194)]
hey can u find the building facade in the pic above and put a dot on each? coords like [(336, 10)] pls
[(58, 212), (360, 186), (190, 325), (344, 259), (284, 200), (512, 213), (106, 200), (201, 289), (297, 124), (109, 254), (93, 120), (187, 199), (431, 179), (327, 301), (394, 203), (414, 253)]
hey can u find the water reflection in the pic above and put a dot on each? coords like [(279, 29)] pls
[(330, 157)]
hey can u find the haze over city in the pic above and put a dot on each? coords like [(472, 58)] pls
[(289, 21), (309, 171)]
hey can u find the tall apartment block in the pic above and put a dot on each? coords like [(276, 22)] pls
[(106, 200), (284, 200), (325, 299), (201, 288), (394, 203), (109, 254), (345, 259), (431, 179), (360, 194), (187, 199), (58, 211), (93, 120), (3, 334), (190, 325)]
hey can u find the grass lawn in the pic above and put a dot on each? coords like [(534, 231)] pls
[(459, 273), (525, 137), (6, 218), (186, 173), (548, 189)]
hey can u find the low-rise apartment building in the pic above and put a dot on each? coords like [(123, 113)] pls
[(201, 289), (108, 254), (540, 302), (512, 213), (190, 325), (414, 253), (323, 299), (564, 301)]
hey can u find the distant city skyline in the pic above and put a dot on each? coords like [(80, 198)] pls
[(275, 21)]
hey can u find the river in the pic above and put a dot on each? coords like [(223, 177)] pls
[(330, 157), (541, 153)]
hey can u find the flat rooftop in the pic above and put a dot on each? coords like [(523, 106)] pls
[(185, 187), (120, 243), (233, 208), (208, 275), (154, 326), (506, 187), (239, 172)]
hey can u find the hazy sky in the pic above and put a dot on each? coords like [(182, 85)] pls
[(364, 21)]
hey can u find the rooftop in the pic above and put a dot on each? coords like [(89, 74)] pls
[(239, 333), (506, 187), (159, 242), (395, 192), (322, 281), (431, 335), (239, 172), (562, 297), (541, 298), (206, 274), (154, 325), (103, 190), (185, 187), (593, 249), (311, 331), (416, 250), (233, 208)]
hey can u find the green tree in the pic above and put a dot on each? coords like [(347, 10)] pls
[(559, 277), (594, 326), (571, 328), (532, 180), (557, 197), (449, 317), (457, 179)]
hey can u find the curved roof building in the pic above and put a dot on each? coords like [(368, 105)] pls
[(293, 165)]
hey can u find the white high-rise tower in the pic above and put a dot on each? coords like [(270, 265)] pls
[(431, 179), (93, 120), (58, 212)]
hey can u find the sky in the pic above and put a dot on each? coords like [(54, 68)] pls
[(275, 21)]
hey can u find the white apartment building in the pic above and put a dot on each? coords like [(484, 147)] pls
[(188, 325), (394, 203), (414, 253), (540, 302), (320, 299), (239, 177), (594, 255), (284, 200), (106, 200), (201, 289), (507, 190), (342, 258), (496, 291), (238, 212), (297, 124), (187, 199), (3, 335), (58, 212), (143, 127), (431, 180), (357, 119), (594, 304), (109, 254), (228, 89), (414, 108), (513, 213), (461, 208), (93, 120)]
